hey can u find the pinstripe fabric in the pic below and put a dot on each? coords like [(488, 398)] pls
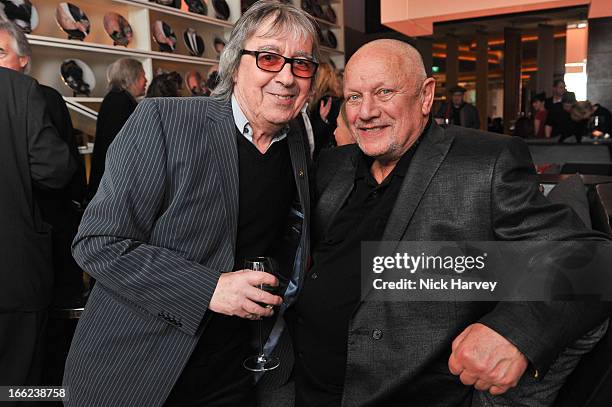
[(156, 236)]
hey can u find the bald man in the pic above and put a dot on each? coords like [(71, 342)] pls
[(407, 179)]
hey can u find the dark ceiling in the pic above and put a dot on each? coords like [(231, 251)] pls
[(526, 21)]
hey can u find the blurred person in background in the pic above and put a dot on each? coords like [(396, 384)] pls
[(557, 92), (32, 155), (558, 121), (539, 115), (590, 119), (165, 85), (61, 208), (458, 111), (523, 126), (212, 80), (127, 81), (325, 106), (342, 134)]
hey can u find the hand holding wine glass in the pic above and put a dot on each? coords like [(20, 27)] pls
[(238, 293)]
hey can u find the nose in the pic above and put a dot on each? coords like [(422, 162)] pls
[(368, 109), (285, 76)]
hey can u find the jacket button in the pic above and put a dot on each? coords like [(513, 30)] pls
[(377, 334), (301, 173), (314, 276)]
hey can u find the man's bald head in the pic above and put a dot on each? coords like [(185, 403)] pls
[(397, 54), (388, 98)]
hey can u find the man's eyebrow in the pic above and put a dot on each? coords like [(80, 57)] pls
[(274, 48), (375, 87), (304, 54)]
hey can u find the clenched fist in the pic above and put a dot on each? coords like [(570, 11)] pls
[(483, 358)]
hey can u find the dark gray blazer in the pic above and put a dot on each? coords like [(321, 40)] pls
[(156, 237), (462, 185), (31, 155)]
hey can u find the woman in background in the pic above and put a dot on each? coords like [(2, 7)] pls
[(325, 106), (127, 81)]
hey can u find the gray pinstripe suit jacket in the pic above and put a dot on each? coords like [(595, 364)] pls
[(156, 236)]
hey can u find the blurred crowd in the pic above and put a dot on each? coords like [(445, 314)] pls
[(563, 118)]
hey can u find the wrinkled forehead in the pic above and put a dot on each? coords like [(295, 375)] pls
[(371, 72)]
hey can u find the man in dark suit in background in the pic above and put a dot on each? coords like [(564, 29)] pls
[(559, 121), (126, 81), (408, 179), (31, 155), (192, 188), (557, 92), (60, 208), (457, 111)]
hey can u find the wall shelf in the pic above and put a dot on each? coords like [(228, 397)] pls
[(51, 47), (176, 12), (109, 49)]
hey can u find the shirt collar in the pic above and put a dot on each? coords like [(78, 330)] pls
[(243, 125)]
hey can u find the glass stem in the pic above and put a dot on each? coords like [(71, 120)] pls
[(261, 344)]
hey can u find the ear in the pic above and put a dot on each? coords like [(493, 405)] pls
[(427, 95), (23, 62)]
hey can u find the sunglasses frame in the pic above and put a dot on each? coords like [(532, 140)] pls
[(286, 61)]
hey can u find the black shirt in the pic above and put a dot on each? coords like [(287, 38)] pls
[(332, 288), (267, 188), (560, 121)]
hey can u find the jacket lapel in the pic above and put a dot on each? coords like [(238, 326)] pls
[(225, 153), (428, 158), (299, 163), (335, 194), (297, 151)]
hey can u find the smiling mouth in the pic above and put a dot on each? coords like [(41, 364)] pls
[(283, 97), (372, 129)]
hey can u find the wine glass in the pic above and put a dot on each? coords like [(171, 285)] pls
[(262, 362)]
